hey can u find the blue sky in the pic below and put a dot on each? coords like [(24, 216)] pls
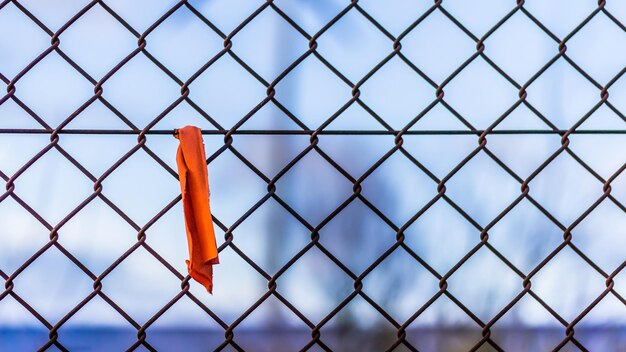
[(183, 43)]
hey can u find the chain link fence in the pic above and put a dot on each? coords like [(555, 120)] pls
[(438, 87)]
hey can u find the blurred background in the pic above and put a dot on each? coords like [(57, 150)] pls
[(357, 236)]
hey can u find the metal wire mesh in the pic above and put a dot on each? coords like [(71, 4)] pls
[(438, 99)]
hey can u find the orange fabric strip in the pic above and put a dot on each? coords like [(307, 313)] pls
[(194, 185)]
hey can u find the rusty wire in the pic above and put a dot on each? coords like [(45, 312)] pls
[(395, 50)]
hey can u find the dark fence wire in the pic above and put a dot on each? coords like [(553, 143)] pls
[(440, 184)]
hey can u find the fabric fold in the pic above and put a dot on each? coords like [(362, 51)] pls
[(194, 185)]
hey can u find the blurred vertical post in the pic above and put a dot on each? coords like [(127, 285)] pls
[(277, 225)]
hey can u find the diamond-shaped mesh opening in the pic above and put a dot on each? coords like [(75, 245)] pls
[(226, 105), (480, 94), (496, 277), (98, 236), (64, 292), (140, 274), (484, 197), (320, 193), (56, 186), (396, 93), (37, 90), (441, 236), (520, 37), (573, 95), (354, 46), (357, 228), (513, 236), (325, 92), (271, 236), (312, 296), (127, 180), (437, 47), (557, 196), (184, 43), (385, 176), (399, 203), (97, 57), (400, 271), (140, 91), (256, 47), (579, 290), (241, 292)]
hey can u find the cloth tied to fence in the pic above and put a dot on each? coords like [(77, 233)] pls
[(194, 185)]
